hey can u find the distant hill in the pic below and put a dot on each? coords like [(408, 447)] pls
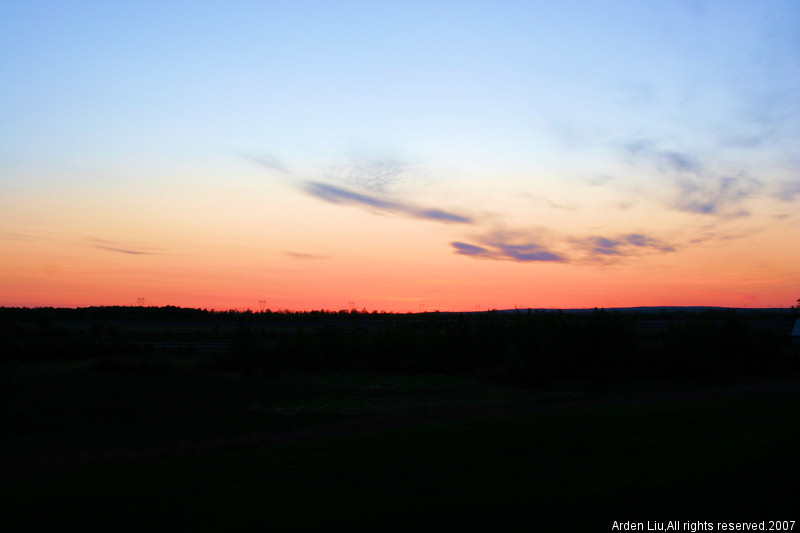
[(658, 309)]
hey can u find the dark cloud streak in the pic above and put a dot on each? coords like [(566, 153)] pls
[(339, 195), (507, 247), (527, 247), (101, 244), (603, 249), (120, 250), (528, 252), (463, 248), (304, 256)]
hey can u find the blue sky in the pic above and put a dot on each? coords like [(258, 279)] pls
[(506, 83), (549, 124)]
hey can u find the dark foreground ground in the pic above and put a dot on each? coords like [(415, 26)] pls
[(367, 452), (218, 436)]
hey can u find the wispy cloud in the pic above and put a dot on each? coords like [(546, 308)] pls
[(720, 237), (471, 250), (511, 252), (753, 140), (788, 191), (500, 245), (340, 195), (605, 249), (304, 256), (372, 179), (663, 160), (377, 174), (7, 235), (768, 110), (528, 252), (643, 241), (111, 246), (698, 189), (595, 180), (541, 200), (373, 176), (630, 94), (542, 245), (270, 162), (121, 250), (712, 196)]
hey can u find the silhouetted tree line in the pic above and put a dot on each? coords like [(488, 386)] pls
[(529, 348), (169, 312)]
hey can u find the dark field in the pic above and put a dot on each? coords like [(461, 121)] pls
[(152, 421)]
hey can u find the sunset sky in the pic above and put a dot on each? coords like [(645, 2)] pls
[(402, 156)]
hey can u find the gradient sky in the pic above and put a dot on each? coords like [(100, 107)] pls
[(400, 155)]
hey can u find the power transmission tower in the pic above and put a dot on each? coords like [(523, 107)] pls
[(140, 302), (262, 304)]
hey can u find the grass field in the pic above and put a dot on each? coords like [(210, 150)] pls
[(62, 414), (365, 452)]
